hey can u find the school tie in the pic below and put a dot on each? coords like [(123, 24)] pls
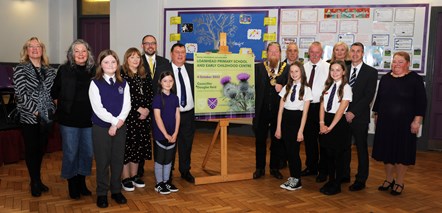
[(111, 80), (353, 77), (292, 97), (312, 76), (151, 66), (330, 98), (183, 88)]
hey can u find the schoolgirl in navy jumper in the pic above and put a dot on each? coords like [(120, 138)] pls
[(166, 111), (110, 99), (292, 115), (335, 99)]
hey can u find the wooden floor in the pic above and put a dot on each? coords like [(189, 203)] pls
[(422, 188)]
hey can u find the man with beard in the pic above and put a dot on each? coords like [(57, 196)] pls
[(267, 76), (152, 63), (316, 71)]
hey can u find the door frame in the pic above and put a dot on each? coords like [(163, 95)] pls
[(423, 142)]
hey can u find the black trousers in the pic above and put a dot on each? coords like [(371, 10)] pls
[(311, 134), (291, 121), (35, 139), (267, 124), (358, 131), (185, 141)]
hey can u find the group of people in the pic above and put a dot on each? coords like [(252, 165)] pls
[(107, 111), (110, 112), (326, 105)]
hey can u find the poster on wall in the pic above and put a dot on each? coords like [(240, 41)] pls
[(224, 85), (243, 30)]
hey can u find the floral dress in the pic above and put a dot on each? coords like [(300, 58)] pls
[(138, 139)]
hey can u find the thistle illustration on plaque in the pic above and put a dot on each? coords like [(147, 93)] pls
[(241, 95)]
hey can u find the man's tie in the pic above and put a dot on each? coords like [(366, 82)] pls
[(111, 80), (353, 77), (151, 66), (312, 76), (183, 88), (330, 98), (292, 97)]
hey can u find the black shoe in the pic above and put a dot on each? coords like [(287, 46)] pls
[(43, 188), (119, 198), (396, 191), (258, 173), (82, 186), (345, 180), (321, 178), (325, 187), (35, 189), (384, 187), (282, 164), (74, 190), (308, 172), (102, 201), (275, 173), (357, 186), (333, 189), (188, 177)]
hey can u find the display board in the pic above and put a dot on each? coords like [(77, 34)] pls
[(383, 29)]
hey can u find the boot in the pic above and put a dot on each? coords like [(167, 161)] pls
[(74, 192), (82, 185)]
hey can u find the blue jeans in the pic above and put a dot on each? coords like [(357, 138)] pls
[(77, 151)]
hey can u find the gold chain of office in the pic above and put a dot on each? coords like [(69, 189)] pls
[(272, 75)]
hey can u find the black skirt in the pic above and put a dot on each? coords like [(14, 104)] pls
[(338, 137)]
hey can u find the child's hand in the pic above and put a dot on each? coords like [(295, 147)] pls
[(278, 133), (120, 123), (112, 131), (300, 137), (323, 129), (173, 140)]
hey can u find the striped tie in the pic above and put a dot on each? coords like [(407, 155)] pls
[(353, 77), (330, 98)]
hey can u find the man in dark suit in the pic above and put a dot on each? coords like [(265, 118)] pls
[(267, 87), (363, 80), (184, 75), (151, 62)]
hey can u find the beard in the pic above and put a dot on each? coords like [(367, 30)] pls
[(273, 62)]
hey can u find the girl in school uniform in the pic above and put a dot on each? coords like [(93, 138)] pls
[(110, 100), (166, 111), (292, 115), (335, 99)]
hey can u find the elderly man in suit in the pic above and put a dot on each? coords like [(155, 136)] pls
[(363, 80)]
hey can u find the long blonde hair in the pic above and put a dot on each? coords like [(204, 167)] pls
[(24, 57)]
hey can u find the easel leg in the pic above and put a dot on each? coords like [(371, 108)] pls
[(212, 143)]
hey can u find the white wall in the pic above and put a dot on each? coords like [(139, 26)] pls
[(54, 21)]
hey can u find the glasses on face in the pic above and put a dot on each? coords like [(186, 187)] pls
[(150, 43)]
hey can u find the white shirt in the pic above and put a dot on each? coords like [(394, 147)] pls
[(358, 68), (100, 111), (321, 75), (189, 102), (346, 96), (153, 59), (297, 104)]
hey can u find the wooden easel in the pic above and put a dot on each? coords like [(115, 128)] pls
[(223, 177)]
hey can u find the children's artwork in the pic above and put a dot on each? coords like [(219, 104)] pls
[(243, 30)]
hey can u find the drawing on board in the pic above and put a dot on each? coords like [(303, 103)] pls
[(243, 30)]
